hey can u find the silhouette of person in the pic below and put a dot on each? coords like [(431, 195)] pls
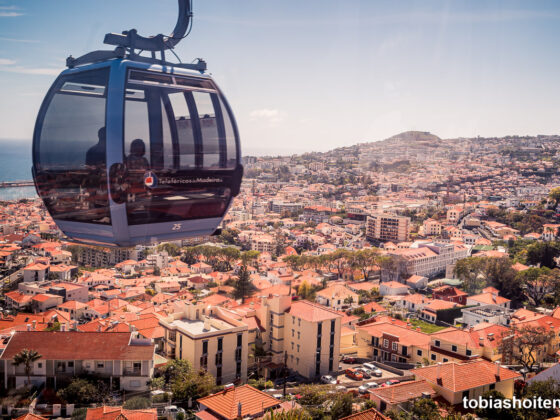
[(136, 159), (96, 154)]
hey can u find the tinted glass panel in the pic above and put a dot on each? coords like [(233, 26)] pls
[(70, 149), (231, 146), (209, 129), (164, 137)]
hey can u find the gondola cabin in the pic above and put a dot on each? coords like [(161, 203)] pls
[(128, 152)]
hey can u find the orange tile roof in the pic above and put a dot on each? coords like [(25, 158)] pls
[(114, 413), (407, 336), (312, 312), (462, 376), (405, 391), (72, 345), (226, 402), (371, 414)]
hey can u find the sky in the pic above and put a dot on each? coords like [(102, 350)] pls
[(313, 75)]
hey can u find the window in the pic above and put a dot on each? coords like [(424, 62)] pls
[(205, 347), (385, 343), (433, 357), (454, 348), (293, 332), (239, 340), (220, 343), (204, 362), (469, 352), (394, 345), (465, 394), (219, 359), (437, 343), (298, 348), (445, 360), (69, 364), (100, 365), (40, 365), (492, 386), (175, 130), (238, 369), (72, 137)]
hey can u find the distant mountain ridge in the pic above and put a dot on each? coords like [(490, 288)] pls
[(414, 136)]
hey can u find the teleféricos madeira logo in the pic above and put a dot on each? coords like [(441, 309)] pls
[(150, 179)]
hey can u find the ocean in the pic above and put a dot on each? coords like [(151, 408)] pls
[(15, 165)]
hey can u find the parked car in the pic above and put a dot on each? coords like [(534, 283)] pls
[(328, 379), (354, 374), (393, 382), (363, 389), (171, 411), (364, 373), (369, 366), (349, 360), (378, 373)]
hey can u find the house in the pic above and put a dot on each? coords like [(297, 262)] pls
[(400, 396), (371, 414), (233, 403), (489, 298), (121, 357), (450, 294), (73, 308), (392, 288), (386, 341), (35, 272), (44, 301), (430, 311), (119, 413), (493, 314), (417, 282), (455, 381), (455, 345), (337, 296)]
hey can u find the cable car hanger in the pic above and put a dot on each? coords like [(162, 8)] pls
[(129, 41)]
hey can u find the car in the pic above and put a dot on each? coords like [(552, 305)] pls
[(173, 410), (378, 373), (277, 396), (393, 382), (363, 389), (369, 366), (354, 374), (340, 388), (328, 379), (364, 373), (349, 360)]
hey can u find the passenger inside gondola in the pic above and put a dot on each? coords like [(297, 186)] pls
[(136, 159), (95, 155)]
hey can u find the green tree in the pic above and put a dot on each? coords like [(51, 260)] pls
[(229, 255), (496, 413), (185, 382), (304, 290), (554, 195), (172, 249), (190, 255), (84, 391), (26, 358), (543, 254), (524, 343), (471, 271), (341, 406), (137, 403), (547, 390), (243, 285), (295, 414)]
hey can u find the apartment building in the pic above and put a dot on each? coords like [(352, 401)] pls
[(263, 243), (209, 339), (384, 341), (123, 358), (432, 227), (312, 339), (308, 334), (429, 260), (387, 227), (493, 314)]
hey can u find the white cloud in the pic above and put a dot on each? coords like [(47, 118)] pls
[(273, 116), (10, 14), (32, 41), (8, 65)]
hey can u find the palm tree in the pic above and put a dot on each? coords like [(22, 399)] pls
[(27, 357)]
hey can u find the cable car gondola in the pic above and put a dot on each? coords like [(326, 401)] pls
[(129, 149)]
